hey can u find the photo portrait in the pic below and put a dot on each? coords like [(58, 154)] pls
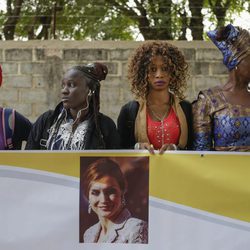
[(114, 194)]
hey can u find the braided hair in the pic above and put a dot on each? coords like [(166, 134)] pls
[(94, 73)]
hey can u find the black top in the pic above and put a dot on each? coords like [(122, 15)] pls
[(21, 130), (39, 133)]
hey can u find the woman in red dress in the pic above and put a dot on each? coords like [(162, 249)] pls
[(159, 118)]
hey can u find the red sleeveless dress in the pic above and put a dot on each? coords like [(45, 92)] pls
[(164, 132)]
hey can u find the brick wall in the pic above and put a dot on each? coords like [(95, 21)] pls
[(32, 71)]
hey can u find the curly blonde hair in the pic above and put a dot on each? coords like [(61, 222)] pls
[(138, 68)]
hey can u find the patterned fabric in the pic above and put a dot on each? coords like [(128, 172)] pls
[(169, 133), (229, 58), (61, 136), (125, 229), (219, 125)]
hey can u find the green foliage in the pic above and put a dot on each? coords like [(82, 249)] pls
[(115, 19)]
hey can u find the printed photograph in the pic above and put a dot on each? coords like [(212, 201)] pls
[(114, 194)]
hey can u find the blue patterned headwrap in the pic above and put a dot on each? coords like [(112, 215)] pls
[(231, 33)]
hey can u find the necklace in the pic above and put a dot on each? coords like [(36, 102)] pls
[(161, 119)]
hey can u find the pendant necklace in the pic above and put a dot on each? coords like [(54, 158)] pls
[(161, 120)]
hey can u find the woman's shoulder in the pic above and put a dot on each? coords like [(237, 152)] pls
[(209, 101), (106, 120), (51, 114), (91, 233), (131, 106), (137, 230), (210, 92), (136, 223), (185, 103), (129, 111)]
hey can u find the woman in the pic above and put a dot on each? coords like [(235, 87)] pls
[(76, 123), (105, 187), (159, 118), (222, 114), (14, 127)]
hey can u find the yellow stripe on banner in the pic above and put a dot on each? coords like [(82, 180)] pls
[(214, 183), (66, 163), (217, 183)]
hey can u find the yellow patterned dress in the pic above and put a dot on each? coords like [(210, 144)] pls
[(219, 125)]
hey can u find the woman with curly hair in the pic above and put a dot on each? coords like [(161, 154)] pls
[(159, 118), (222, 113)]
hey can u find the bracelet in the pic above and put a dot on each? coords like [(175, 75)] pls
[(137, 146), (175, 147)]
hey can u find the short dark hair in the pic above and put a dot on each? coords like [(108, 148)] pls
[(100, 168)]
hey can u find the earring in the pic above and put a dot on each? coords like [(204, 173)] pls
[(236, 67), (123, 201), (248, 87), (89, 209)]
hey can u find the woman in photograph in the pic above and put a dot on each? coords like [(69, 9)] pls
[(159, 118), (76, 123), (105, 186), (222, 113)]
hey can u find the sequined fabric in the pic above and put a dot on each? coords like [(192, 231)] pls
[(219, 125), (166, 132)]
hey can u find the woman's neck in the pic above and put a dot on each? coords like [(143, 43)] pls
[(158, 97), (107, 223), (235, 83)]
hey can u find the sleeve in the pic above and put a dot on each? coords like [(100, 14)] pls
[(21, 130), (139, 234), (37, 132), (187, 109), (202, 123), (126, 128), (110, 134)]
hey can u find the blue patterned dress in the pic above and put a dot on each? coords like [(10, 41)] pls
[(219, 125)]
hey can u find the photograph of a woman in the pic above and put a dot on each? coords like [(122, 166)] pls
[(104, 189)]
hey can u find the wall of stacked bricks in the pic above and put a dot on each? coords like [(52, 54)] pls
[(33, 70)]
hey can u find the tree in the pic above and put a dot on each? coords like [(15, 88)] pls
[(196, 20), (114, 19), (222, 9), (12, 18)]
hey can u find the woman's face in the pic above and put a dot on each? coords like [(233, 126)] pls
[(105, 197), (158, 74), (74, 90)]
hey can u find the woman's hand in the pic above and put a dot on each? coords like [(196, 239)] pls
[(167, 147), (145, 145)]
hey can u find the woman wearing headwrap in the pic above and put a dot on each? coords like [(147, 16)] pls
[(222, 113), (76, 123)]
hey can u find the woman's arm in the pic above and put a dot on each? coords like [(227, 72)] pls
[(126, 124), (21, 131), (38, 133), (202, 123)]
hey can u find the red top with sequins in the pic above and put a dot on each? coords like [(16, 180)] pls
[(166, 132)]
